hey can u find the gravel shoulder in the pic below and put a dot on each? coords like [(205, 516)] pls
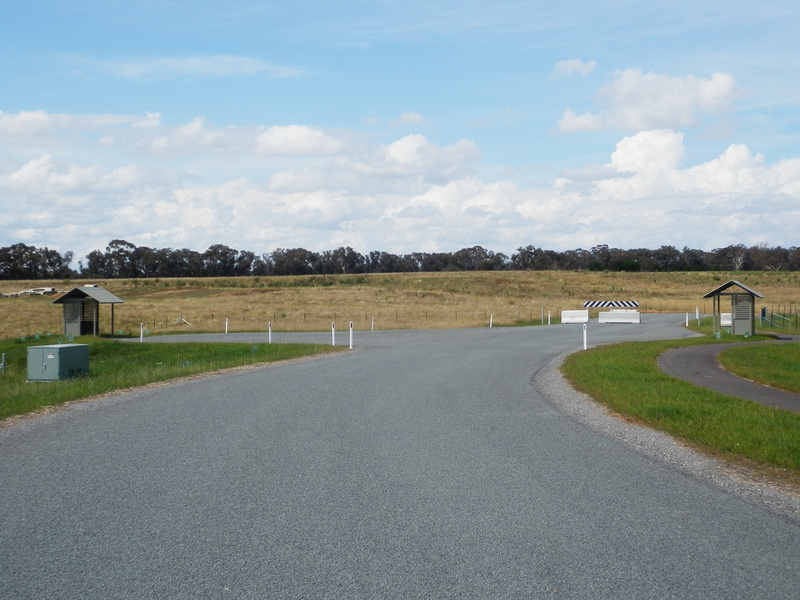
[(778, 498)]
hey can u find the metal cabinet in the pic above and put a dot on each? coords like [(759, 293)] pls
[(57, 361)]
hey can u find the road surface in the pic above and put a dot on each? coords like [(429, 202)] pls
[(423, 464)]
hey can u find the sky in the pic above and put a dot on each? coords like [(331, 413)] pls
[(399, 126)]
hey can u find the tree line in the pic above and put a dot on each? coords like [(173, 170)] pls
[(122, 259)]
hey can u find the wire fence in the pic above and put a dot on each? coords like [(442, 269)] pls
[(780, 318)]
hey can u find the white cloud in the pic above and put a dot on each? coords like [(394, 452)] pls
[(38, 122), (639, 101), (566, 68), (201, 66), (285, 186), (44, 177), (150, 120), (296, 140), (408, 118)]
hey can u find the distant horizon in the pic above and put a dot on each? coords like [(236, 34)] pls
[(123, 259)]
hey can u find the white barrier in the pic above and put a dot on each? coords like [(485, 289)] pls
[(620, 316), (574, 316)]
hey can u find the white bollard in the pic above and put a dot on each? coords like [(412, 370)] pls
[(548, 317), (584, 337), (373, 324), (226, 324), (697, 313), (351, 335), (141, 332), (687, 319), (491, 320), (333, 333), (269, 337)]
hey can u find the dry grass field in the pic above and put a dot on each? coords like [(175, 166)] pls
[(385, 301)]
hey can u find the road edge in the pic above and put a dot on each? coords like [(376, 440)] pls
[(662, 448)]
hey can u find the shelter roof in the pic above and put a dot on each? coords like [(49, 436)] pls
[(102, 296), (718, 291)]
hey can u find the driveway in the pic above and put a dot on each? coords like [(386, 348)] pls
[(700, 365)]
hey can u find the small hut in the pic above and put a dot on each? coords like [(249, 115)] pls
[(82, 309), (743, 302)]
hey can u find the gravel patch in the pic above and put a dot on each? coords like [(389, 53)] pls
[(660, 447)]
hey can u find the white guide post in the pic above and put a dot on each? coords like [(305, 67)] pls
[(491, 319), (333, 333), (548, 317), (141, 332), (584, 337), (373, 324), (351, 335), (269, 336), (226, 324)]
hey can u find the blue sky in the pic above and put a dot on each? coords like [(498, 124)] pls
[(399, 126)]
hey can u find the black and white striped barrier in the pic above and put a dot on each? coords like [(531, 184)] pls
[(611, 304)]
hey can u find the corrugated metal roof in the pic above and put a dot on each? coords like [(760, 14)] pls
[(731, 283), (96, 293)]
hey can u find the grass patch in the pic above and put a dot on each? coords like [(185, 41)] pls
[(117, 365), (626, 378), (776, 364)]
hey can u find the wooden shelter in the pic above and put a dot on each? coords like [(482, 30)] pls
[(82, 309), (742, 307)]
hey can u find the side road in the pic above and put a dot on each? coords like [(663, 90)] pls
[(700, 365)]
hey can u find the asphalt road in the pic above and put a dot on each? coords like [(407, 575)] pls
[(700, 365), (423, 464)]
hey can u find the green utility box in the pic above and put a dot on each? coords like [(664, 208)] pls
[(57, 361)]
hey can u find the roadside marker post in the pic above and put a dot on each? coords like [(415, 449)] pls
[(351, 335), (491, 320), (226, 325), (584, 337), (141, 332), (269, 336), (333, 333)]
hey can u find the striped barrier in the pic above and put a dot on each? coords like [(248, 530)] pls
[(611, 304)]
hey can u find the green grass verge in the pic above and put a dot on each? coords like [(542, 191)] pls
[(117, 365), (776, 364), (626, 378)]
